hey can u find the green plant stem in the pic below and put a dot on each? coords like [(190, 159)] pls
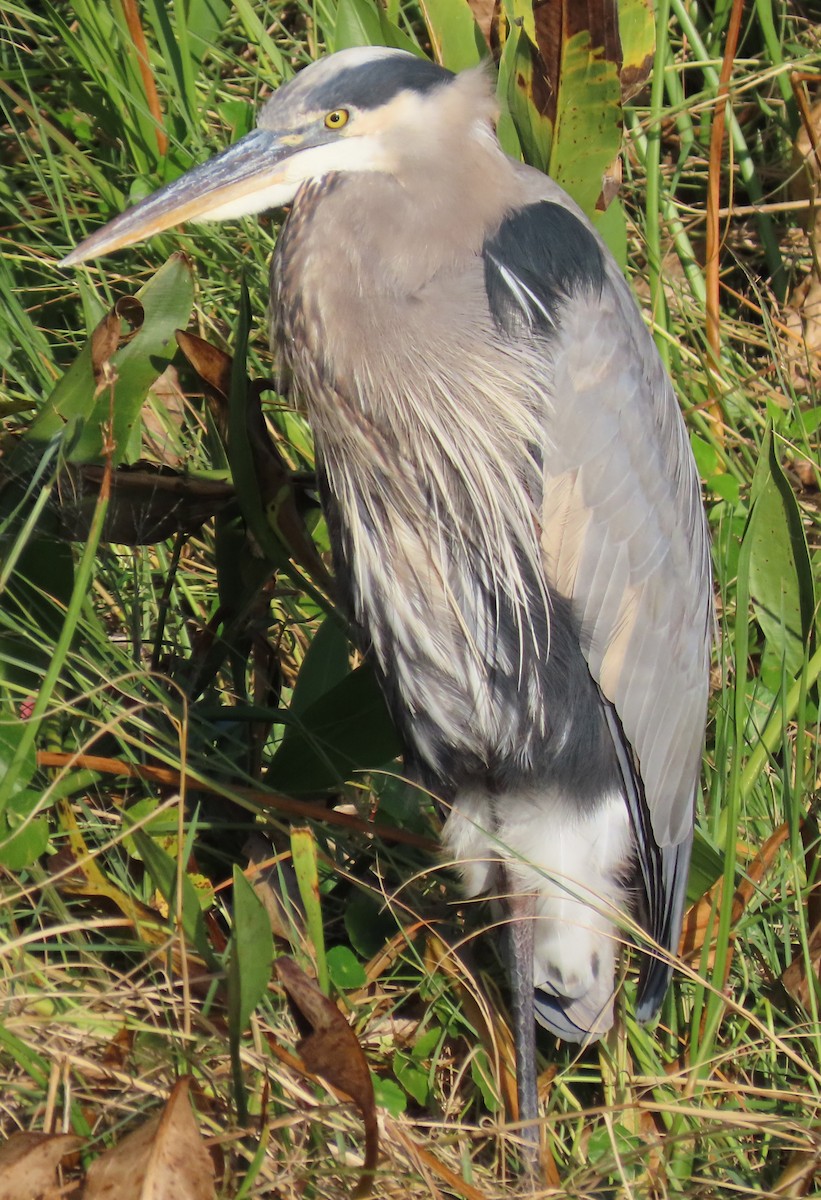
[(658, 302), (79, 596), (746, 165), (668, 212)]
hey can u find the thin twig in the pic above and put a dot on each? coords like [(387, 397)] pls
[(167, 777)]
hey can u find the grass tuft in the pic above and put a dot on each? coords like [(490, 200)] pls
[(151, 695)]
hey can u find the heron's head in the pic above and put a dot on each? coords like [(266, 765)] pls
[(359, 110)]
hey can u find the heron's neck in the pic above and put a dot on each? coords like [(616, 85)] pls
[(389, 235)]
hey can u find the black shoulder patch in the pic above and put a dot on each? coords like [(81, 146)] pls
[(540, 255), (375, 83)]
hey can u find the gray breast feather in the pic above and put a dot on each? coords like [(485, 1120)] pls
[(624, 536)]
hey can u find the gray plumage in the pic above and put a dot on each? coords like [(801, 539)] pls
[(514, 508)]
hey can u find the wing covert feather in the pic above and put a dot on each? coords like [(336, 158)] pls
[(637, 572), (624, 536)]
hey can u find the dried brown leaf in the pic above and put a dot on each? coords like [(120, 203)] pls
[(795, 978), (118, 1049), (104, 341), (548, 28), (332, 1050), (803, 316), (429, 1165), (556, 23), (698, 920), (610, 185), (211, 364), (800, 1173), (158, 441), (109, 335), (487, 1020), (805, 179), (29, 1161), (164, 1159), (634, 76), (484, 12)]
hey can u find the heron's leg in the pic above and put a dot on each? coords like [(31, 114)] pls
[(522, 910)]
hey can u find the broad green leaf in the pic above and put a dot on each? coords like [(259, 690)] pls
[(93, 307), (521, 14), (455, 38), (637, 31), (325, 665), (357, 24), (780, 573), (612, 226), (516, 86), (505, 127), (705, 454), (11, 735), (612, 1143), (389, 1095), (427, 1043), (706, 867), (345, 969), (483, 1078), (367, 924), (160, 828), (402, 804), (23, 837), (724, 485), (346, 731), (166, 302), (559, 80), (250, 956), (413, 1079), (588, 128), (363, 23), (306, 869), (204, 22)]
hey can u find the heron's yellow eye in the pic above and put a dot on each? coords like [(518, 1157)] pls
[(337, 118)]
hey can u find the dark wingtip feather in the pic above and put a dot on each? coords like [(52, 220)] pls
[(656, 972)]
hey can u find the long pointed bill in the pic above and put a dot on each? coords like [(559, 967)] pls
[(248, 177)]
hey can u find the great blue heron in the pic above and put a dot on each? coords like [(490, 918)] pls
[(514, 509)]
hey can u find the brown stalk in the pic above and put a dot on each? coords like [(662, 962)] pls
[(167, 777), (798, 83), (135, 29)]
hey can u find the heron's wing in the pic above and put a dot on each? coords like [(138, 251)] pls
[(624, 536)]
